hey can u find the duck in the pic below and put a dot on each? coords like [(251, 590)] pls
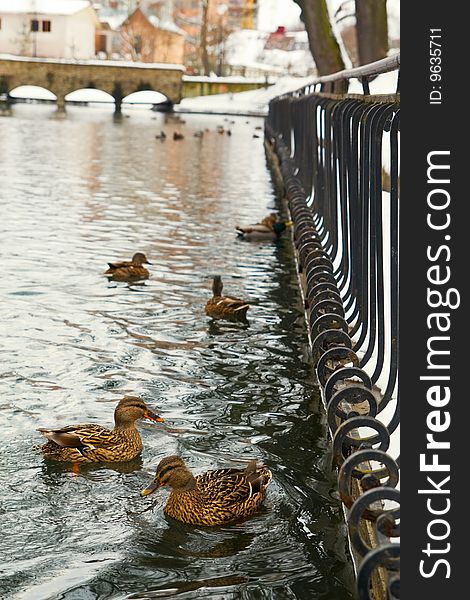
[(133, 269), (178, 136), (212, 498), (224, 306), (269, 228), (94, 443), (161, 135)]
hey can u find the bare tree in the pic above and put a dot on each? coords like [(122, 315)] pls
[(24, 41), (204, 31), (372, 30), (322, 41), (135, 46)]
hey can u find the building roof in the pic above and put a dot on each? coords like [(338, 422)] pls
[(43, 7), (166, 25)]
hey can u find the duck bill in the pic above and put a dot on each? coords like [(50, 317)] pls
[(148, 263), (289, 223), (153, 417), (151, 488)]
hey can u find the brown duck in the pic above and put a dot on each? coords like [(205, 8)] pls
[(269, 228), (92, 443), (213, 498), (224, 306), (133, 269)]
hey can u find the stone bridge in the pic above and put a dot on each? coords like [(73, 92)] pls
[(116, 78), (119, 79)]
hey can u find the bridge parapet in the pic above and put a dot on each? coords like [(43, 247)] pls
[(118, 79)]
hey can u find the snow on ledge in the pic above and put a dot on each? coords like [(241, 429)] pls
[(95, 62)]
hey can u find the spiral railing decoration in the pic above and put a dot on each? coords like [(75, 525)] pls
[(339, 159)]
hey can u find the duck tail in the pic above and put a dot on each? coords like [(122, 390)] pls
[(242, 308)]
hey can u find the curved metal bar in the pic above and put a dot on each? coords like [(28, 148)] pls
[(330, 156), (386, 557)]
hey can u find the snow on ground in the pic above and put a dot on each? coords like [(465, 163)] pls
[(253, 102), (256, 50)]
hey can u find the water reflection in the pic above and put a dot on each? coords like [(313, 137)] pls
[(77, 192)]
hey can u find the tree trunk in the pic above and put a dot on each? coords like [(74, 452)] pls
[(323, 44), (204, 54), (372, 31)]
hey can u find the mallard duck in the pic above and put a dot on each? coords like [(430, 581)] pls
[(91, 443), (178, 136), (268, 228), (213, 498), (161, 136), (133, 269), (224, 306)]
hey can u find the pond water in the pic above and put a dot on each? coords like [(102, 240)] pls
[(76, 191)]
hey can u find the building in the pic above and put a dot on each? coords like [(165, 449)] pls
[(148, 38), (241, 14), (255, 53), (48, 28), (222, 17)]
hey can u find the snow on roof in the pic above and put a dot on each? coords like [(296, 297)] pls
[(113, 20), (165, 25), (44, 7)]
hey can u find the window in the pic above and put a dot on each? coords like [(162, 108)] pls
[(46, 26), (138, 44), (34, 25)]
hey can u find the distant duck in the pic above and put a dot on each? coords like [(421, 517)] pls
[(198, 134), (178, 136), (161, 136), (126, 270), (214, 497), (256, 136), (229, 132), (220, 129), (93, 443), (269, 228), (224, 306)]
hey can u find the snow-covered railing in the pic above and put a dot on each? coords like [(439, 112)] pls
[(339, 157)]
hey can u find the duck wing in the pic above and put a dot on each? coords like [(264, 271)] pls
[(118, 265), (233, 486), (90, 435), (257, 228), (233, 304)]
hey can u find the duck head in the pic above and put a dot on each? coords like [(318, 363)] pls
[(217, 285), (132, 408), (173, 472), (281, 226), (140, 259)]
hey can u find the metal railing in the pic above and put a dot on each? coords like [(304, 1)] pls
[(339, 158)]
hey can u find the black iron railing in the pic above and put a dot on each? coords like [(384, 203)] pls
[(339, 157)]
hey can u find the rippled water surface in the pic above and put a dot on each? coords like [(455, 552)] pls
[(84, 188)]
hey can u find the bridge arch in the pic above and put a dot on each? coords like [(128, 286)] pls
[(32, 91), (145, 97), (88, 95)]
